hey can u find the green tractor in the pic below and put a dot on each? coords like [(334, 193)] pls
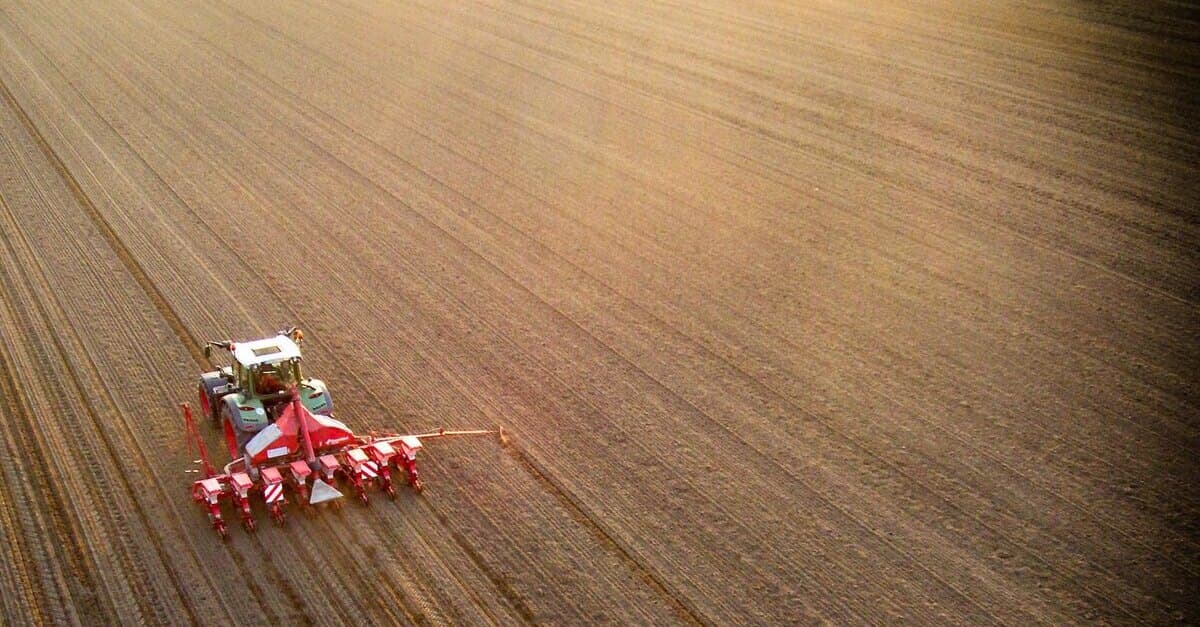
[(247, 395)]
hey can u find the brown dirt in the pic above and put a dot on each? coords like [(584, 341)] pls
[(796, 312)]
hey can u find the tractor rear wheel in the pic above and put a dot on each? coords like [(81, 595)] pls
[(212, 389)]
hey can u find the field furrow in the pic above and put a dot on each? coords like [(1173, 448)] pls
[(792, 312)]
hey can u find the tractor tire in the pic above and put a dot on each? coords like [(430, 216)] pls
[(213, 387)]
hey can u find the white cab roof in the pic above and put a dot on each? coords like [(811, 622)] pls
[(269, 350)]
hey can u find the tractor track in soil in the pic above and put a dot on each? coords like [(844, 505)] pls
[(129, 606), (794, 312), (25, 505), (56, 354)]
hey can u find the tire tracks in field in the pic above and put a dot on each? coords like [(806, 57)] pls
[(35, 283), (29, 488), (29, 565), (16, 592), (59, 495)]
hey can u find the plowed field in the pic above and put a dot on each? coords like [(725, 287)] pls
[(795, 312)]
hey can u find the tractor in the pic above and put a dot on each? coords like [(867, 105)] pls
[(282, 437)]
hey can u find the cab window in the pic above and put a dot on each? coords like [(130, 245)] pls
[(273, 378)]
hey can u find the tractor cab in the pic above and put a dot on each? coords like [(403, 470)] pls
[(267, 369)]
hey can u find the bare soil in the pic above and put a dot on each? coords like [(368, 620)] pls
[(795, 312)]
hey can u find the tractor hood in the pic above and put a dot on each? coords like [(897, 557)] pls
[(283, 438)]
